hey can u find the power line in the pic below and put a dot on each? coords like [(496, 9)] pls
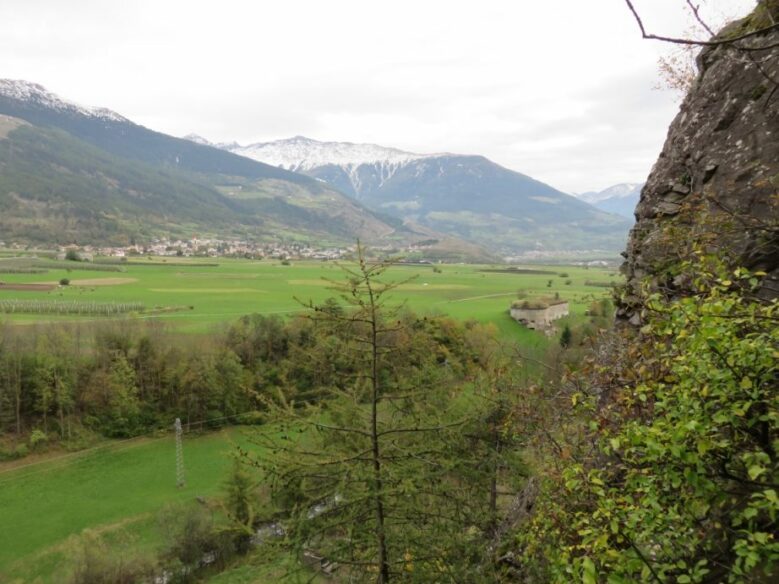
[(115, 445)]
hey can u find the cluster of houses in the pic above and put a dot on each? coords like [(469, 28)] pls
[(214, 247), (208, 247), (572, 258)]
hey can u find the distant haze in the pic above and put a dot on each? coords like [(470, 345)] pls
[(562, 91)]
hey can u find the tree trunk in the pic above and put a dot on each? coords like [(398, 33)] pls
[(18, 395), (381, 543), (494, 482), (60, 412)]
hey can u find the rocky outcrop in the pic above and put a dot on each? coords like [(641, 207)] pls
[(718, 171)]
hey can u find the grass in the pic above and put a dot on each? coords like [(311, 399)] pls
[(218, 294), (121, 487), (259, 568)]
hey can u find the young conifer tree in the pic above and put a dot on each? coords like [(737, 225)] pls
[(366, 478)]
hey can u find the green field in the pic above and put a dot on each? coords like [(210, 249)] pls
[(118, 488), (204, 295)]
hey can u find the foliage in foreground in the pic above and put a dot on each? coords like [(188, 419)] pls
[(392, 473), (678, 477)]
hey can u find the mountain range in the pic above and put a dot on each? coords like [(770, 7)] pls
[(464, 195), (89, 175), (70, 173), (620, 199)]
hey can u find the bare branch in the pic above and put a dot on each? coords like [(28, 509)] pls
[(695, 13), (711, 43)]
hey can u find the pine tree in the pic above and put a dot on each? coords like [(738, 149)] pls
[(366, 478), (566, 337), (240, 505)]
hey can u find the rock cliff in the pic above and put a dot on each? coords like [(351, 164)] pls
[(717, 177)]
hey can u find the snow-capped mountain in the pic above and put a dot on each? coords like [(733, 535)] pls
[(619, 191), (90, 174), (467, 196), (620, 199), (301, 154), (33, 93), (198, 140)]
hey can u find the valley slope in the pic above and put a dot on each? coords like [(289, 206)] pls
[(71, 173), (466, 196)]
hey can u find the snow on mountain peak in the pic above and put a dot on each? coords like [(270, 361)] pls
[(300, 153), (198, 139), (34, 93), (620, 191)]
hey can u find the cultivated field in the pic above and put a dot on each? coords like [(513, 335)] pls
[(204, 294)]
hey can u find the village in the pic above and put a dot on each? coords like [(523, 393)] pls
[(209, 247)]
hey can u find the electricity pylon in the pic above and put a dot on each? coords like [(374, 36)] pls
[(180, 480)]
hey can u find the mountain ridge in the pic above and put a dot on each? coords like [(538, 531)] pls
[(468, 196), (33, 92), (72, 161), (620, 199)]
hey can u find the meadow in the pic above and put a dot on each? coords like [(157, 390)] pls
[(195, 295), (120, 489), (117, 489)]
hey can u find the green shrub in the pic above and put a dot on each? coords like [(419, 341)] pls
[(685, 484), (65, 282), (566, 337), (191, 533), (38, 439), (94, 562)]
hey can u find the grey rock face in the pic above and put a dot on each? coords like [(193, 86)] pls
[(722, 153)]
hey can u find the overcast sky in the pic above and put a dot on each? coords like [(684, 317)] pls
[(560, 90)]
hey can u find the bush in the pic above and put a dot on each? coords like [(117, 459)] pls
[(95, 563), (65, 282), (684, 484), (192, 536), (286, 263), (72, 256), (38, 438), (20, 451)]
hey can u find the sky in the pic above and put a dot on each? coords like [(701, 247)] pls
[(563, 90)]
